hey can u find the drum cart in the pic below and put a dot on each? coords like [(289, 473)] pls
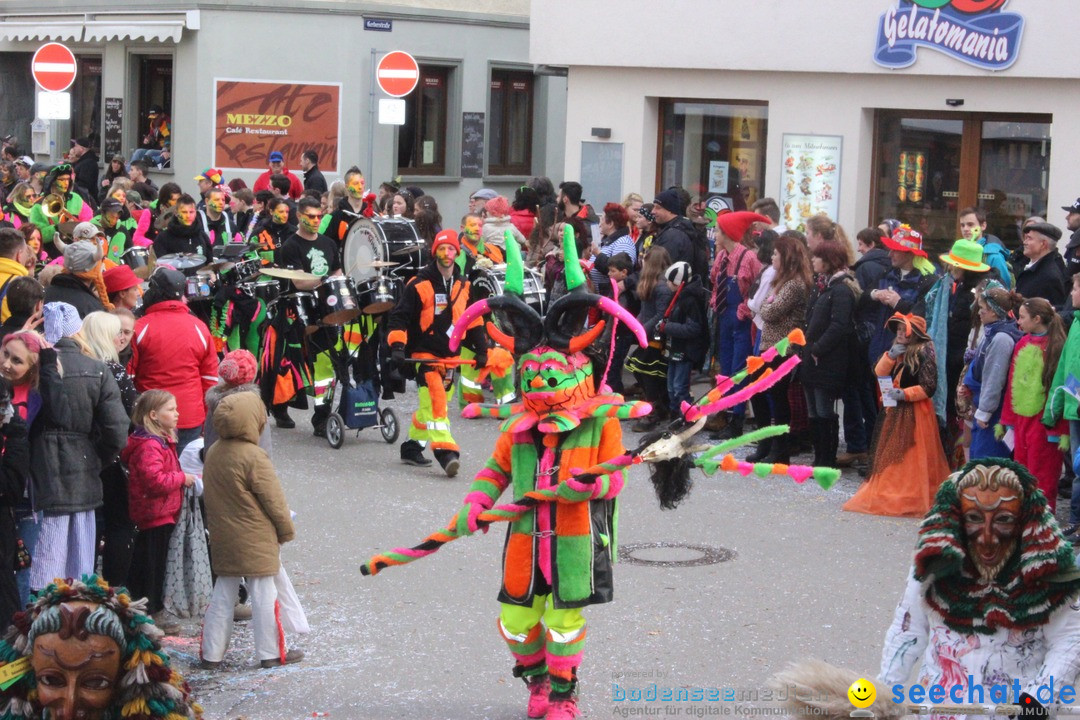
[(358, 406)]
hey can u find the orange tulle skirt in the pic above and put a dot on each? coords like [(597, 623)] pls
[(908, 467)]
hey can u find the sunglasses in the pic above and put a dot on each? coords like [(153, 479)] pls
[(313, 216)]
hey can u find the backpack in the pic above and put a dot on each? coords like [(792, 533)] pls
[(700, 263)]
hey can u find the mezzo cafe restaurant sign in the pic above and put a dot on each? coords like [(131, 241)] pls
[(976, 32)]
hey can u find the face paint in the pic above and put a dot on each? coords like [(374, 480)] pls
[(355, 187), (473, 226), (446, 255), (186, 214), (310, 220), (991, 522), (216, 202), (171, 202), (120, 195), (111, 218), (551, 380), (62, 183), (280, 214)]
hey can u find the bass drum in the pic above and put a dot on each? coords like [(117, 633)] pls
[(490, 283), (387, 239)]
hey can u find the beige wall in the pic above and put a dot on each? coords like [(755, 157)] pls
[(626, 100)]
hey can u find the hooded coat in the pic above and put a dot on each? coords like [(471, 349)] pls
[(155, 480), (246, 511), (829, 333)]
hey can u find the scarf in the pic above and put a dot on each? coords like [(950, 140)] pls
[(937, 326)]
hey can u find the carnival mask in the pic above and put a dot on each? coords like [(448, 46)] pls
[(991, 515), (76, 671), (310, 220), (551, 380), (356, 186), (186, 215), (280, 216)]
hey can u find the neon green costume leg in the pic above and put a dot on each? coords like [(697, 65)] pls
[(557, 651), (431, 421), (469, 380)]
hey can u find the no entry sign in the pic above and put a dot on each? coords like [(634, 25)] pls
[(397, 74), (53, 67)]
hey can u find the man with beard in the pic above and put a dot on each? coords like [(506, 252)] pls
[(216, 219), (419, 326)]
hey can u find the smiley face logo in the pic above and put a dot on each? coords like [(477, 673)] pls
[(862, 693)]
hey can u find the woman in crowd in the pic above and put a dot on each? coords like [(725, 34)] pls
[(830, 330), (646, 231), (19, 201), (117, 169), (524, 209), (161, 210), (428, 219), (1034, 360), (32, 233), (614, 227), (908, 464), (988, 372), (633, 202), (648, 365), (14, 473), (782, 311), (401, 205)]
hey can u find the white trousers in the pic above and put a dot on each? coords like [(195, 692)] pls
[(65, 548), (218, 622)]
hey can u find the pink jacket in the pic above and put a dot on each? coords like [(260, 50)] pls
[(155, 480)]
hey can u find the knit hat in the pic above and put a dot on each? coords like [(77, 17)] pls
[(966, 255), (669, 200), (904, 239), (120, 278), (86, 231), (497, 207), (167, 283), (237, 367), (735, 224), (61, 320), (82, 255), (678, 273), (445, 237)]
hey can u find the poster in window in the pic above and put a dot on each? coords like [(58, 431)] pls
[(744, 167), (810, 183), (718, 176), (254, 118), (745, 129), (911, 176)]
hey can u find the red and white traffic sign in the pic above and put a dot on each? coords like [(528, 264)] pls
[(53, 67), (397, 73)]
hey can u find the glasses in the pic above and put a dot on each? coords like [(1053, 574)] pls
[(313, 216)]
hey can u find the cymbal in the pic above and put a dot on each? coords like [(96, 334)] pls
[(221, 264), (378, 264), (288, 274), (408, 250), (66, 228)]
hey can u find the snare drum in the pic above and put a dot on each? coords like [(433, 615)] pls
[(302, 307), (138, 259), (381, 294), (242, 270), (268, 292), (337, 301), (201, 285), (491, 283)]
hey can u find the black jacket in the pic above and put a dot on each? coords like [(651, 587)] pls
[(70, 289), (86, 172), (829, 348), (1047, 279), (180, 238), (415, 322), (314, 180), (687, 328), (1072, 254), (677, 238)]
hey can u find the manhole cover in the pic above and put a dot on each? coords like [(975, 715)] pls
[(668, 554)]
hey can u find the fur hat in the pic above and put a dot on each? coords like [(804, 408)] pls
[(237, 367)]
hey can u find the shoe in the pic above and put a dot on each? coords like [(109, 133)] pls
[(761, 451), (1064, 490), (293, 656), (781, 451), (645, 424), (241, 612), (319, 431), (413, 454), (209, 664), (282, 419), (165, 623), (449, 461), (717, 422), (733, 429), (1071, 530), (539, 687), (563, 709), (850, 458)]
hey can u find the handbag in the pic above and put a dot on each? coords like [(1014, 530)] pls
[(359, 405), (188, 582)]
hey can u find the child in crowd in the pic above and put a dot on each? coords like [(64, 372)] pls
[(155, 492), (686, 330), (989, 370), (1062, 404), (620, 266), (1034, 360), (649, 364), (908, 462)]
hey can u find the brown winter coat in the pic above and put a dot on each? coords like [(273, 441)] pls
[(246, 511)]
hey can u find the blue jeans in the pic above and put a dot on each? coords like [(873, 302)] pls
[(1074, 446), (820, 402), (860, 413), (186, 435), (148, 154), (29, 529), (678, 384), (732, 347)]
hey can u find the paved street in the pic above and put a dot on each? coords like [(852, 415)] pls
[(420, 641)]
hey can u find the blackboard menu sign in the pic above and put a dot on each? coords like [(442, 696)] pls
[(114, 112), (472, 145)]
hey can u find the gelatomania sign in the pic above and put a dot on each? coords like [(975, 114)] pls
[(977, 32)]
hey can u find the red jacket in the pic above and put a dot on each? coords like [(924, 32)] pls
[(172, 350), (296, 188), (523, 220), (155, 482)]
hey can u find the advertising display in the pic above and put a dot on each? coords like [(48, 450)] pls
[(976, 32), (253, 118), (811, 180)]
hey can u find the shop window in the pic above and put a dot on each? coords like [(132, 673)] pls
[(86, 101), (511, 126), (714, 148), (422, 139), (154, 80), (930, 166)]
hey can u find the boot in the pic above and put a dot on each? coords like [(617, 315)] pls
[(831, 433), (281, 417), (539, 688), (761, 451), (318, 420), (733, 429), (413, 454), (816, 440), (781, 451), (449, 460), (563, 709), (293, 656)]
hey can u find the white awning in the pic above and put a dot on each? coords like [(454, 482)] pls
[(100, 26)]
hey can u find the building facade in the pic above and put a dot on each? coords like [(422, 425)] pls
[(239, 80), (911, 109)]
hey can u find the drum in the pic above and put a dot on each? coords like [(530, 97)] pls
[(201, 285), (337, 301), (385, 239), (381, 294), (138, 259), (302, 306), (242, 270), (186, 263), (268, 292), (491, 283)]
